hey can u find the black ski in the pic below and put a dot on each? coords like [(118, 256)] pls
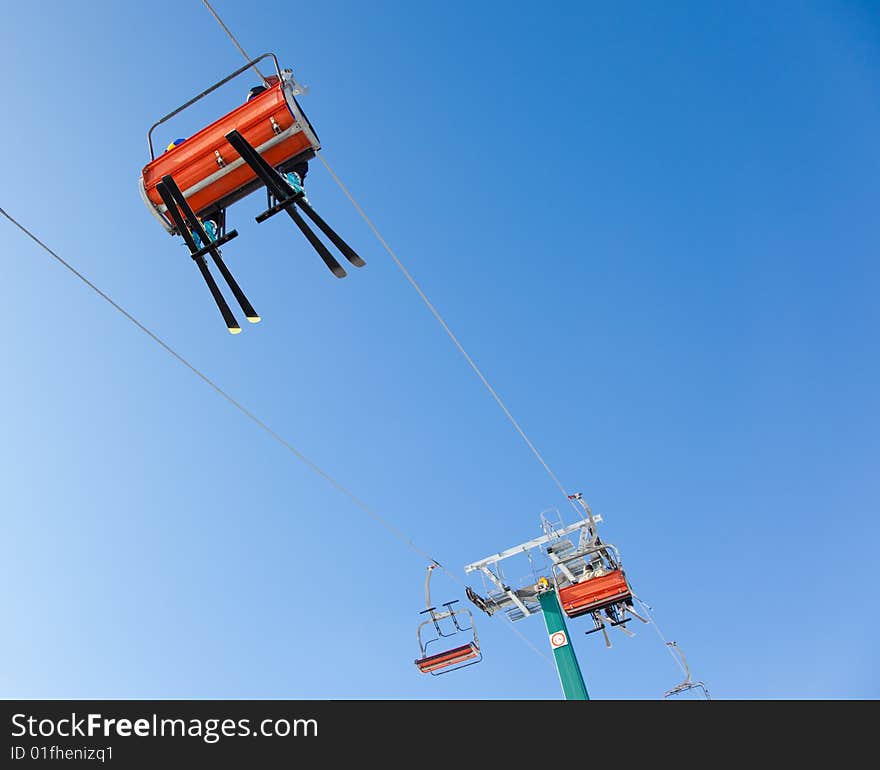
[(211, 248), (199, 259), (347, 251), (280, 188), (329, 260)]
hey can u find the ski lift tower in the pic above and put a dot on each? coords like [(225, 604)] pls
[(561, 550)]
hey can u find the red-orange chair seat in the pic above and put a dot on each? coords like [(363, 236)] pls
[(594, 593), (448, 658), (196, 159)]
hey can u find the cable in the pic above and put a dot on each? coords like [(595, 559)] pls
[(442, 322), (647, 608), (408, 542), (232, 38)]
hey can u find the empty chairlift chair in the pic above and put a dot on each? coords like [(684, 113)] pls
[(437, 632)]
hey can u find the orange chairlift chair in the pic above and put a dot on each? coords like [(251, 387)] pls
[(189, 187), (595, 583), (446, 624)]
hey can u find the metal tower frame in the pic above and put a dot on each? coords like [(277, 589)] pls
[(522, 601)]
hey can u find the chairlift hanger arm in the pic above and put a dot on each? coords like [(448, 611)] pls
[(589, 511), (428, 574)]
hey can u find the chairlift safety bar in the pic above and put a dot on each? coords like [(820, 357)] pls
[(214, 87)]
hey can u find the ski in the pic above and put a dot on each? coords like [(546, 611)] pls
[(329, 260), (199, 259), (285, 196), (347, 251), (211, 247)]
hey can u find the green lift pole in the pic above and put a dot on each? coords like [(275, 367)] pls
[(570, 676)]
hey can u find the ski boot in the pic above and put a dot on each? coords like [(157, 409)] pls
[(295, 182), (210, 228)]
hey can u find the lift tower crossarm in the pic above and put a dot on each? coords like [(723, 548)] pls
[(528, 545)]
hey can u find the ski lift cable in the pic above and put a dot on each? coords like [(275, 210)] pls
[(436, 313), (647, 608), (397, 533), (234, 41), (430, 305)]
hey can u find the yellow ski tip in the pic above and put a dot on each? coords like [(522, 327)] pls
[(254, 319), (235, 330)]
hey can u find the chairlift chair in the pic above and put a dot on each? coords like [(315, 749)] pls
[(257, 144), (599, 589), (595, 593), (446, 624)]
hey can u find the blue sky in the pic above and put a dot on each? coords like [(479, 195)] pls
[(654, 227)]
